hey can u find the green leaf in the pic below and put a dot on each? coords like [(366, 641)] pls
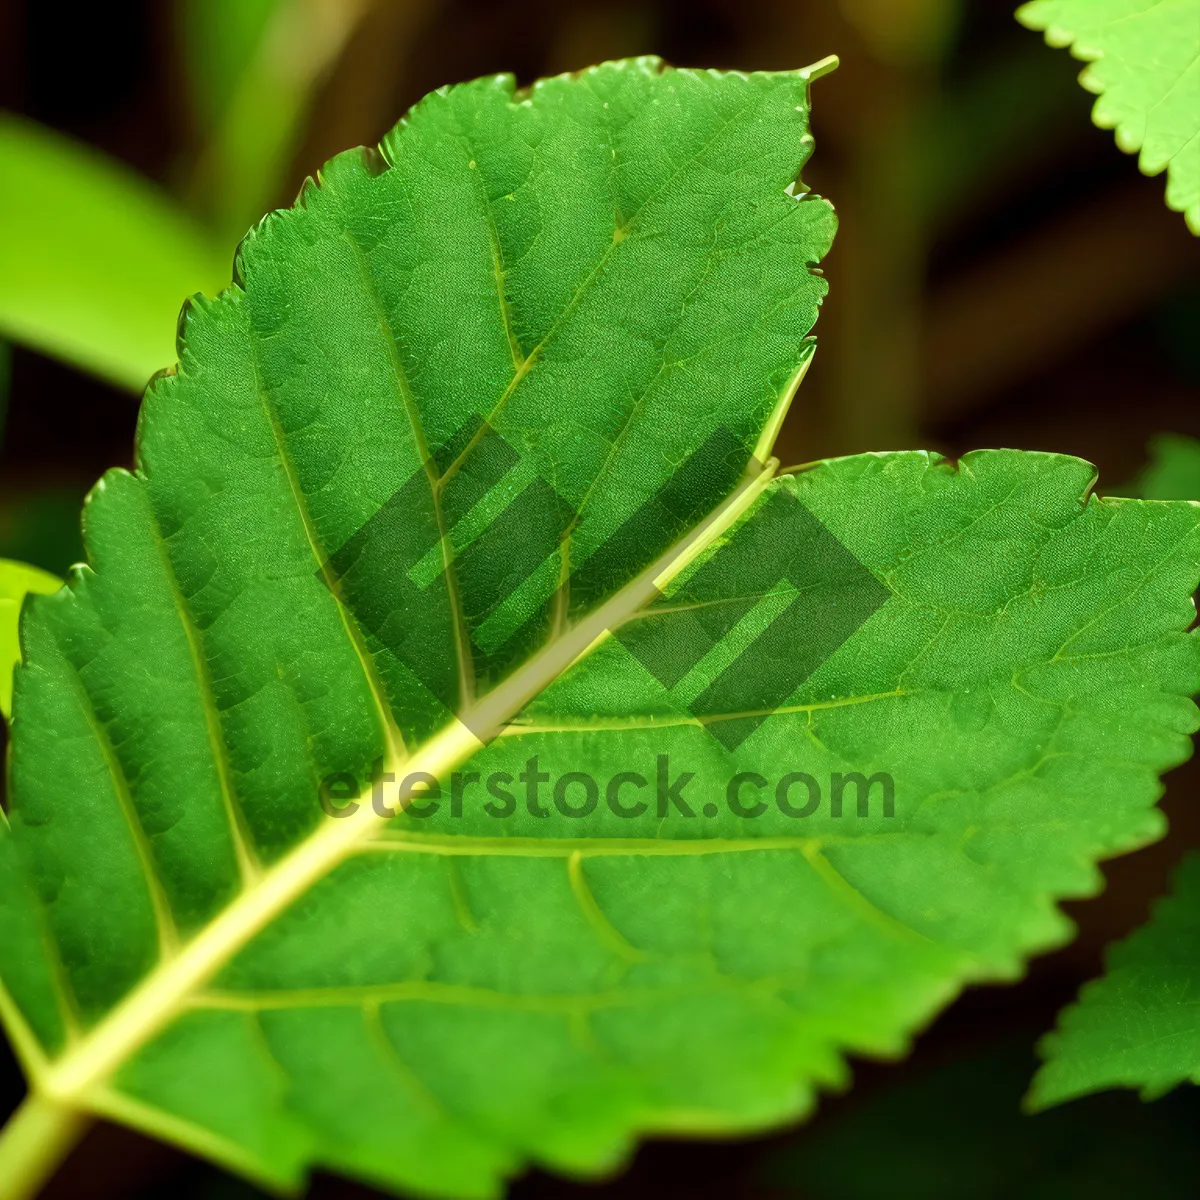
[(327, 564), (1143, 61), (17, 580), (1174, 469), (94, 261), (220, 38), (1137, 1025)]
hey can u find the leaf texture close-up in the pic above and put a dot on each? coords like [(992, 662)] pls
[(551, 312)]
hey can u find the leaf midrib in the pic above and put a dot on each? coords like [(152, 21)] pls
[(149, 1007)]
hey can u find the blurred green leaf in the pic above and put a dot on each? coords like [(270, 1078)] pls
[(1143, 61), (94, 261), (1136, 1026), (221, 38), (17, 580), (1174, 469), (255, 68)]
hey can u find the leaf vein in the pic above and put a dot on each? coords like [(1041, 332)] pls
[(249, 867)]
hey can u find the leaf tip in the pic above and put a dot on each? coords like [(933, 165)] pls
[(825, 66)]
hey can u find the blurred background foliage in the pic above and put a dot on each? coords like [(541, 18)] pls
[(1002, 276)]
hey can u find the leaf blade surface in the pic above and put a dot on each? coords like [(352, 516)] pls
[(435, 1005)]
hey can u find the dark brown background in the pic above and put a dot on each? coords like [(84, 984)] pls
[(1003, 277)]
